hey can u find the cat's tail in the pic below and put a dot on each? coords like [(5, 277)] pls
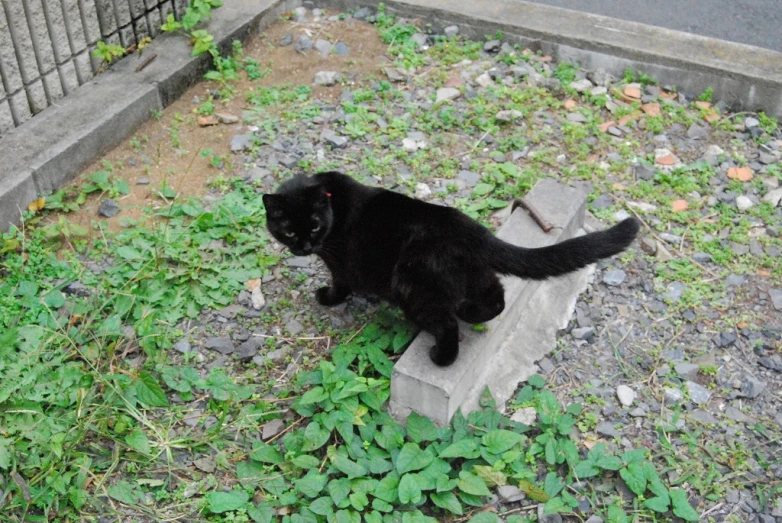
[(561, 258)]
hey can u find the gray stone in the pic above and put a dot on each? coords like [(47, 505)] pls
[(447, 93), (323, 47), (547, 518), (614, 277), (581, 86), (341, 49), (333, 139), (241, 142), (674, 290), (703, 416), (272, 428), (698, 393), (607, 429), (751, 122), (594, 519), (362, 13), (602, 202), (743, 203), (492, 46), (649, 246), (734, 280), (776, 298), (773, 362), (697, 132), (773, 197), (643, 171), (672, 396), (298, 261), (469, 178), (108, 208), (582, 333), (767, 158), (687, 370), (394, 74), (525, 416), (142, 180), (713, 154), (286, 40), (206, 464), (221, 344), (576, 118), (326, 78), (303, 44), (625, 394), (451, 31), (736, 415), (615, 131), (294, 327), (183, 346), (508, 116), (510, 494), (638, 412), (249, 349), (422, 191), (751, 387), (419, 39)]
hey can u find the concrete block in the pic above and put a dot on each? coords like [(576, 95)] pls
[(10, 66), (53, 86), (166, 8), (20, 107), (152, 4), (124, 17), (84, 66), (68, 77), (417, 384), (57, 30), (137, 7), (127, 36), (73, 25), (17, 190), (95, 13), (39, 30), (36, 96), (140, 25), (2, 90), (23, 42), (6, 117), (154, 22), (180, 6)]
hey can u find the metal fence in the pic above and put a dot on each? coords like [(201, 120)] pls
[(46, 46)]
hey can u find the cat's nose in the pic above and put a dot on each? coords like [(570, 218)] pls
[(307, 247)]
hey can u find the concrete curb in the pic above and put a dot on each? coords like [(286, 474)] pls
[(438, 392), (746, 78), (50, 149)]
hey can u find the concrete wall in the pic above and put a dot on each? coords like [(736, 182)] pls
[(46, 46)]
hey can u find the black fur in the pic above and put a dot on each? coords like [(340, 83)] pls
[(434, 262)]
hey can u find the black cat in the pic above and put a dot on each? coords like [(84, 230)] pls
[(434, 262)]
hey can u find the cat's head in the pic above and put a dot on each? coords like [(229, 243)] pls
[(300, 217)]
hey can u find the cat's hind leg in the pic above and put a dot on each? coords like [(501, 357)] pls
[(485, 299), (334, 295), (441, 323)]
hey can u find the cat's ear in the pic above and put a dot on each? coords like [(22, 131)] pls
[(273, 205), (321, 198)]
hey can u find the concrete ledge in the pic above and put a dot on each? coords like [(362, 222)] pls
[(417, 384), (50, 149), (747, 78)]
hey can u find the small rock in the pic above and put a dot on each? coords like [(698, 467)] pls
[(525, 416), (298, 261), (649, 245), (241, 142), (674, 291), (508, 116), (614, 277), (672, 396), (625, 394), (607, 429), (451, 31), (394, 74), (422, 191), (469, 178), (736, 415), (207, 121), (108, 208), (286, 40), (773, 197), (776, 298), (142, 180), (492, 46), (447, 93), (323, 47), (272, 428), (294, 327), (303, 44), (697, 132), (743, 203), (638, 412), (751, 387), (510, 494), (582, 333), (326, 78), (484, 80), (221, 344), (205, 464), (333, 139), (594, 519), (226, 119), (257, 299), (703, 416), (751, 122), (183, 346), (362, 13), (341, 49), (547, 518), (582, 86), (419, 39), (698, 393), (687, 370), (713, 154)]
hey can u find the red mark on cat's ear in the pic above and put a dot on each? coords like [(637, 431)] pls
[(328, 194)]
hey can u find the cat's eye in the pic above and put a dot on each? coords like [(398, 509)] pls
[(290, 234), (316, 229)]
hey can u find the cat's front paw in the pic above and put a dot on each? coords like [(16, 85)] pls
[(442, 358), (327, 296)]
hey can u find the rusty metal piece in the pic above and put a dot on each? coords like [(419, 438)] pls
[(539, 219), (146, 63)]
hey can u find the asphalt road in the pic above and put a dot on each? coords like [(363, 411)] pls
[(753, 22)]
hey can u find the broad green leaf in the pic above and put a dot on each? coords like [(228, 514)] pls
[(322, 506), (359, 501), (128, 253), (500, 440), (387, 489), (492, 478), (5, 453), (126, 492), (609, 463), (220, 502), (54, 299), (314, 395), (537, 381), (484, 517), (306, 461), (314, 437), (138, 441), (682, 507), (658, 504), (350, 468), (339, 489), (472, 484), (347, 516), (265, 453), (550, 452), (482, 189), (148, 390), (634, 477), (533, 492), (617, 515), (262, 513), (464, 448), (586, 469), (634, 456), (382, 506), (409, 490), (420, 428), (447, 501), (411, 457), (311, 484), (554, 506), (553, 484), (549, 409)]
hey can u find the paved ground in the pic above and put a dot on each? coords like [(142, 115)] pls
[(753, 22)]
